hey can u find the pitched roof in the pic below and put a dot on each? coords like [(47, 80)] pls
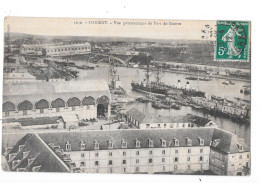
[(228, 141), (52, 90), (42, 154), (135, 114), (130, 136), (150, 118), (200, 121), (34, 121)]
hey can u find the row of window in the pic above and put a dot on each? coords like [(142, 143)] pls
[(150, 143), (138, 144), (150, 160), (137, 169), (68, 49), (124, 153), (171, 125)]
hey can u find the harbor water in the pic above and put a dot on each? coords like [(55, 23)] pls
[(213, 87)]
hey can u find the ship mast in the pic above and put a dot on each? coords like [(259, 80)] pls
[(112, 73), (147, 74), (158, 75)]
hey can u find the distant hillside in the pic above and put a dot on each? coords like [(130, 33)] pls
[(99, 39)]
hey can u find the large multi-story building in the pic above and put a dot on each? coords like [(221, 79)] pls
[(56, 49), (134, 151), (66, 50), (142, 121), (72, 100)]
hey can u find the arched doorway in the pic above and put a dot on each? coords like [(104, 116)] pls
[(102, 107)]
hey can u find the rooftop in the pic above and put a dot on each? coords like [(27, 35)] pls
[(53, 90), (228, 141), (34, 121), (32, 149), (35, 152), (18, 75), (144, 119)]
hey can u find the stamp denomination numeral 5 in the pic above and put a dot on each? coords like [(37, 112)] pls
[(221, 50)]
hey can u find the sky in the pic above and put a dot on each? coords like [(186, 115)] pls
[(155, 29)]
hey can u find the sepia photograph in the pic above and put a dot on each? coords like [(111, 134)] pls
[(126, 96)]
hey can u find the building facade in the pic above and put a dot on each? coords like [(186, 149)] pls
[(176, 151), (141, 121), (72, 100), (56, 49), (67, 50)]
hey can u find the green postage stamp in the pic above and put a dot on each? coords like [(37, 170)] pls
[(232, 41)]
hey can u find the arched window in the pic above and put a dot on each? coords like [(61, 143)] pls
[(8, 106), (73, 102), (88, 101), (58, 103), (42, 104), (25, 105)]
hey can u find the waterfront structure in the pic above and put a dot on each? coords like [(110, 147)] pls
[(67, 50), (32, 49), (142, 121), (174, 151), (72, 100), (56, 49), (223, 106), (123, 52)]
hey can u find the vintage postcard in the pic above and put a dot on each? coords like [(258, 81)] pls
[(126, 96)]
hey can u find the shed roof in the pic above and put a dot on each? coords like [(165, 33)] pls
[(53, 90), (150, 118)]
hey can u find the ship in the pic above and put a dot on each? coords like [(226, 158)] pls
[(227, 82), (205, 79), (150, 87), (192, 78), (158, 87)]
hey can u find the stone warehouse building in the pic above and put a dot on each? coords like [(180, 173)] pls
[(56, 49), (142, 121), (72, 100), (66, 50), (177, 151)]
